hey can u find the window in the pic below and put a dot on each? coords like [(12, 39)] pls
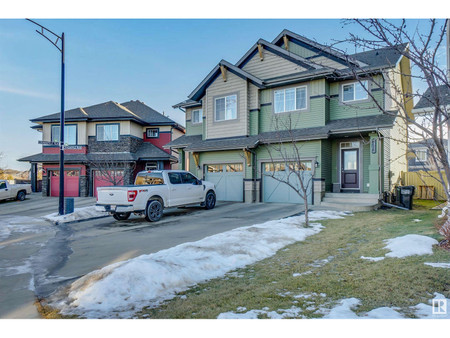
[(290, 99), (70, 134), (234, 168), (149, 179), (226, 108), (153, 133), (107, 132), (354, 91), (214, 168), (2, 185), (188, 178), (197, 116), (422, 155), (304, 165), (174, 178), (153, 165)]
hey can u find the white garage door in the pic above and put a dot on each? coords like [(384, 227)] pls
[(228, 179), (279, 192)]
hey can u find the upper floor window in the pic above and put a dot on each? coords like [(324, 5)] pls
[(422, 155), (354, 91), (226, 108), (290, 99), (197, 116), (70, 134), (153, 133), (107, 132)]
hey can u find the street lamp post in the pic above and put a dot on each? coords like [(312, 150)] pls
[(43, 31)]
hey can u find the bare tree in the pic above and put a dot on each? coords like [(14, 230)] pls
[(288, 164)]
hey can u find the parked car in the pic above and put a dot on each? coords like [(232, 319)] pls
[(153, 191), (14, 191)]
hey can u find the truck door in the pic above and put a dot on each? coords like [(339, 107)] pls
[(4, 193), (194, 191), (177, 191)]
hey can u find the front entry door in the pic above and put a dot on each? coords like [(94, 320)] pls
[(350, 169)]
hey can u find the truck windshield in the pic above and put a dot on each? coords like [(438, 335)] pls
[(149, 179)]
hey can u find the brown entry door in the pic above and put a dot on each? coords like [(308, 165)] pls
[(350, 168)]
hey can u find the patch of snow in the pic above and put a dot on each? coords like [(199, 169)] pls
[(16, 270), (417, 220), (297, 274), (21, 224), (293, 312), (383, 313), (410, 245), (79, 214), (425, 311), (373, 259), (120, 289), (439, 265), (344, 309)]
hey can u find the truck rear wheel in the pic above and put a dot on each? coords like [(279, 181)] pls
[(21, 196), (154, 211), (121, 216)]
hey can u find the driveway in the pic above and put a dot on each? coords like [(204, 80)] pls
[(36, 257)]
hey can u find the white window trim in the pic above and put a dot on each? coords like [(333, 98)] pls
[(354, 91), (157, 132), (295, 100), (200, 116), (425, 152), (215, 106)]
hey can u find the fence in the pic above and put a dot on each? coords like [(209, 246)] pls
[(427, 184)]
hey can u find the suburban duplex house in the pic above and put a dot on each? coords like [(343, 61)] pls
[(298, 87), (105, 144)]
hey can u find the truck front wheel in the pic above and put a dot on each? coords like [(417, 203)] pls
[(210, 200), (154, 211), (21, 196), (122, 216)]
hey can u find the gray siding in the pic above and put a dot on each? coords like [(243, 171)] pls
[(230, 128), (272, 66), (327, 62)]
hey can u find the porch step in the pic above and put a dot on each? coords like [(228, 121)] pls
[(350, 201), (349, 206)]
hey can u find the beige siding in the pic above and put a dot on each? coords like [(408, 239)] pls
[(327, 62), (272, 66), (253, 96), (124, 129), (136, 130), (230, 128)]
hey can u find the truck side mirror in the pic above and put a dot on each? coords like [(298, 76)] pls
[(199, 182)]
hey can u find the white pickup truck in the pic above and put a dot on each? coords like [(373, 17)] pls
[(14, 191), (153, 191)]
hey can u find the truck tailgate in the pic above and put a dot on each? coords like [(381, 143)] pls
[(112, 195)]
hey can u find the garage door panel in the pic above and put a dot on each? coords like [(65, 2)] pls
[(228, 179), (107, 179), (71, 183), (275, 189)]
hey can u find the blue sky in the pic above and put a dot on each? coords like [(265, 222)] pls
[(157, 61)]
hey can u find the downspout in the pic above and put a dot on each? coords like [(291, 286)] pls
[(379, 163)]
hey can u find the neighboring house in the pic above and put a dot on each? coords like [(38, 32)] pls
[(421, 156), (102, 141), (421, 152), (341, 132)]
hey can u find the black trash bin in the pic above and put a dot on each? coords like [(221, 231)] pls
[(406, 196), (69, 205)]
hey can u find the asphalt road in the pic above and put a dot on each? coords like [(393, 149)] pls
[(37, 257)]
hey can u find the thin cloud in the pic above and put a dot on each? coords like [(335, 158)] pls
[(29, 93)]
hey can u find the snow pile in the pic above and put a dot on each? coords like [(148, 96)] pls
[(293, 312), (425, 311), (125, 287), (439, 265), (79, 214), (410, 245), (372, 259)]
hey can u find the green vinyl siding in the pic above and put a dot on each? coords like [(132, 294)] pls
[(366, 163), (325, 162), (254, 122), (194, 128), (313, 117)]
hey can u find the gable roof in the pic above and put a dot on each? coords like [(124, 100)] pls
[(199, 91), (136, 111), (427, 100)]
